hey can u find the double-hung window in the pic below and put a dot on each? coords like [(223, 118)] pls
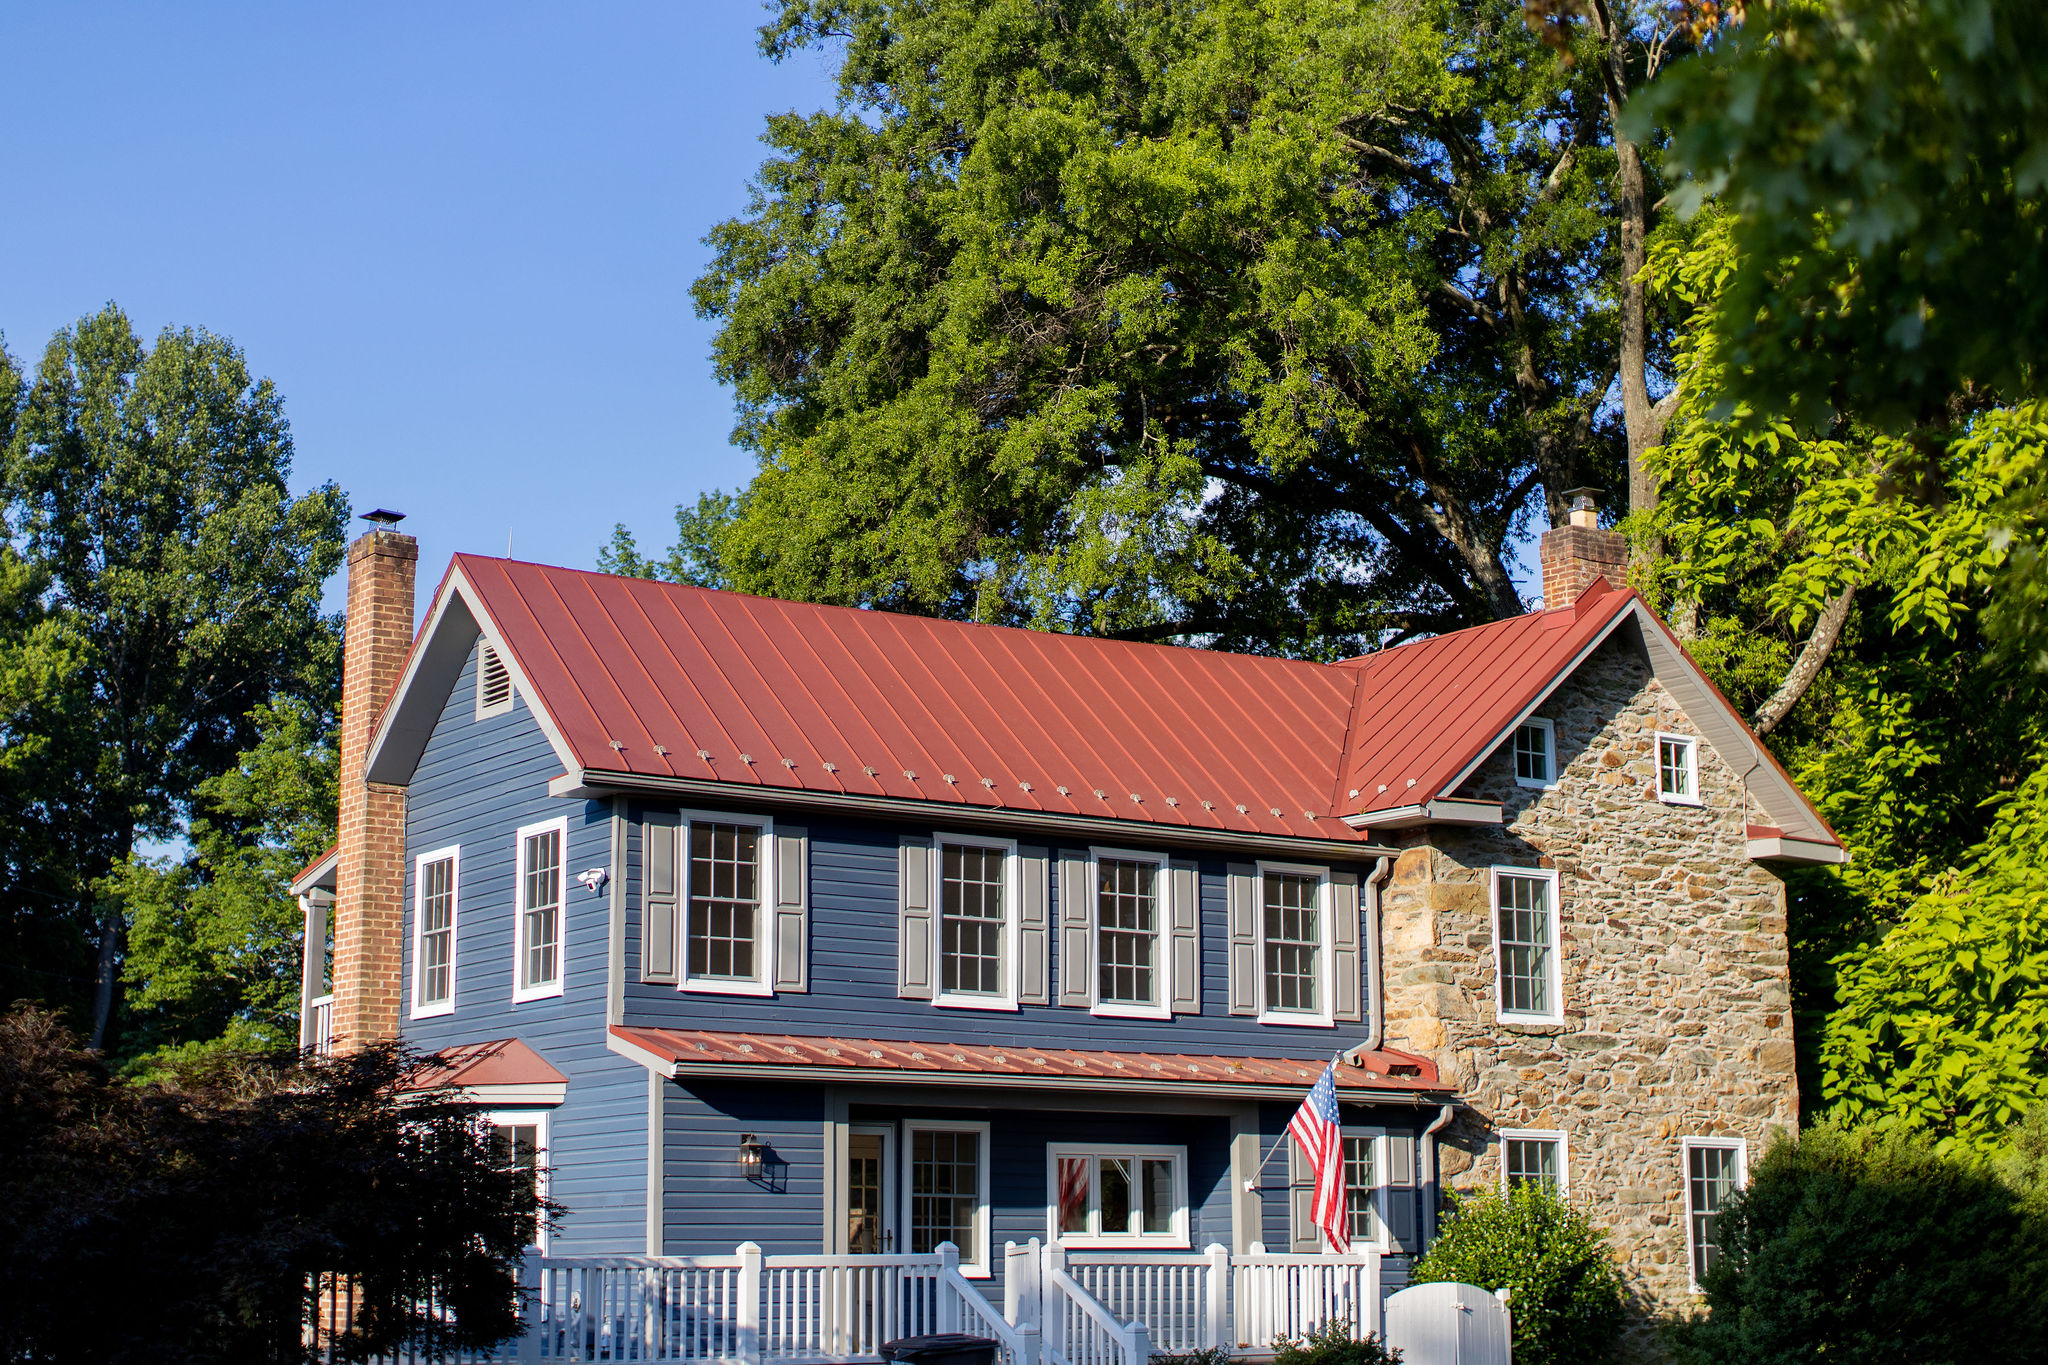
[(1535, 753), (1130, 936), (433, 932), (945, 1190), (538, 938), (1714, 1170), (519, 1144), (725, 941), (977, 911), (1678, 770), (1365, 1191), (1532, 1157), (1525, 943), (1294, 945), (1115, 1195)]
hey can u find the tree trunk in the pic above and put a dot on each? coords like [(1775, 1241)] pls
[(1826, 631), (112, 921)]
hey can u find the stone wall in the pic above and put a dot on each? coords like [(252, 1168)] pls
[(1673, 964)]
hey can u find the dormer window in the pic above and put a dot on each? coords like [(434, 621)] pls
[(1535, 754), (493, 684), (1678, 777)]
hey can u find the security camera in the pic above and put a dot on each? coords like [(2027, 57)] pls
[(594, 878)]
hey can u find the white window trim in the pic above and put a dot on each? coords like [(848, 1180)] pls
[(974, 1260), (764, 922), (452, 853), (1383, 1239), (503, 708), (1501, 1013), (1564, 1155), (1324, 1016), (1178, 1238), (1162, 937), (542, 1121), (1549, 748), (1740, 1146), (1692, 762), (552, 989), (1013, 936)]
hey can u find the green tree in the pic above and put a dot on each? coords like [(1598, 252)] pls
[(1269, 325), (1565, 1291), (145, 491), (214, 940)]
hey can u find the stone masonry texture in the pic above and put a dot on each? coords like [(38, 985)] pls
[(1677, 1019), (369, 909)]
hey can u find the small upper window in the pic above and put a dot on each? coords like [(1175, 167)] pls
[(1134, 1196), (1678, 777), (1713, 1172), (1525, 939), (1533, 1159), (539, 936), (977, 960), (1129, 955), (433, 953), (1535, 763), (493, 684)]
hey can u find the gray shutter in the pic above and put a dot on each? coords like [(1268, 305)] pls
[(914, 919), (792, 909), (1034, 932), (1184, 901), (1345, 957), (1077, 904), (660, 900), (1244, 938), (1303, 1236), (1401, 1191)]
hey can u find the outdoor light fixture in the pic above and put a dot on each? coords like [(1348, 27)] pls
[(753, 1155), (594, 878)]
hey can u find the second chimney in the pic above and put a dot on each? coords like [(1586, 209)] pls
[(369, 899), (1579, 553)]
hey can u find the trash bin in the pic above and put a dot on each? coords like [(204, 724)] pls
[(941, 1348)]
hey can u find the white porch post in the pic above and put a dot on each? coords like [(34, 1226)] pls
[(1216, 1320), (749, 1334), (533, 1293), (949, 1293)]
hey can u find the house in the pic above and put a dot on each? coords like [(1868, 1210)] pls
[(839, 931)]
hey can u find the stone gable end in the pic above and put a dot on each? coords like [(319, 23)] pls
[(1676, 993)]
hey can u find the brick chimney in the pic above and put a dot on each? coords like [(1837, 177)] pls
[(369, 899), (1576, 554)]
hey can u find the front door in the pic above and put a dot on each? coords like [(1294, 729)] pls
[(870, 1205)]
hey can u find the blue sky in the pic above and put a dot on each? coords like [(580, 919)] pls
[(460, 237)]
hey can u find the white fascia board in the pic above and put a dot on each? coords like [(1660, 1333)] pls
[(320, 876), (445, 641), (1797, 851), (1449, 811), (539, 1094)]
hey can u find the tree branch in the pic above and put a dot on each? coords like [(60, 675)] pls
[(1806, 667)]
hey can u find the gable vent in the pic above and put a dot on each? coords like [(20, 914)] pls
[(493, 684)]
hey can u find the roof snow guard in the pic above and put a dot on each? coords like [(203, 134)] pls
[(685, 1053), (660, 688)]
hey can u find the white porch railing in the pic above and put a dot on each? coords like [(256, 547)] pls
[(319, 1030)]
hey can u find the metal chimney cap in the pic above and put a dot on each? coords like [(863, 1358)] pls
[(1582, 499), (383, 518)]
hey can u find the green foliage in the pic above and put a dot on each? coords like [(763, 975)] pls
[(1566, 1293), (1331, 1344), (1874, 1248), (180, 1221), (693, 559), (145, 492), (1208, 1355), (1887, 165), (214, 941), (1260, 324), (2023, 1164), (1941, 1021)]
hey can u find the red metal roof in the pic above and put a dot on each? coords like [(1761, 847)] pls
[(776, 1054), (501, 1061)]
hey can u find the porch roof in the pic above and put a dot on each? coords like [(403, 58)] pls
[(500, 1071), (1385, 1074)]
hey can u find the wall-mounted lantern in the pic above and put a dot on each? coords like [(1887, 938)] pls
[(753, 1156)]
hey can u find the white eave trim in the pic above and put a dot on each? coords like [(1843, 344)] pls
[(1790, 850), (317, 877), (1450, 811)]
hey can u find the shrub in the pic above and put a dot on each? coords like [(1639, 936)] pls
[(1564, 1290), (1871, 1246), (1333, 1344)]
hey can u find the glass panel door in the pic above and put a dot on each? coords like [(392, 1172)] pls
[(870, 1229)]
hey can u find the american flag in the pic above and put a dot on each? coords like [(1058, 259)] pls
[(1315, 1130)]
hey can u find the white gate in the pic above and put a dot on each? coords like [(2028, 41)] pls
[(1450, 1324)]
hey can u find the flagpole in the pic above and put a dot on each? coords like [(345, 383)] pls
[(1251, 1184)]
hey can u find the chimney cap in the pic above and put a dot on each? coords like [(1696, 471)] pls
[(1583, 499), (383, 518)]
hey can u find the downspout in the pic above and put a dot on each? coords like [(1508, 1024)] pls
[(1430, 1204), (1375, 997)]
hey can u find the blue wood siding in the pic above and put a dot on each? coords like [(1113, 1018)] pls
[(477, 783), (709, 1208), (853, 970)]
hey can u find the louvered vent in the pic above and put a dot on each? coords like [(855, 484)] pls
[(494, 684)]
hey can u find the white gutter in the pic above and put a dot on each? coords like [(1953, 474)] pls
[(1429, 1154)]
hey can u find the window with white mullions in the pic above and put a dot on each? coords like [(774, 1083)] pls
[(1127, 932), (946, 1190), (1534, 1158), (1118, 1195), (1713, 1173), (1678, 778), (725, 902), (434, 883), (519, 1144), (540, 910), (1362, 1185), (973, 920), (1535, 759), (1525, 939), (1294, 940)]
